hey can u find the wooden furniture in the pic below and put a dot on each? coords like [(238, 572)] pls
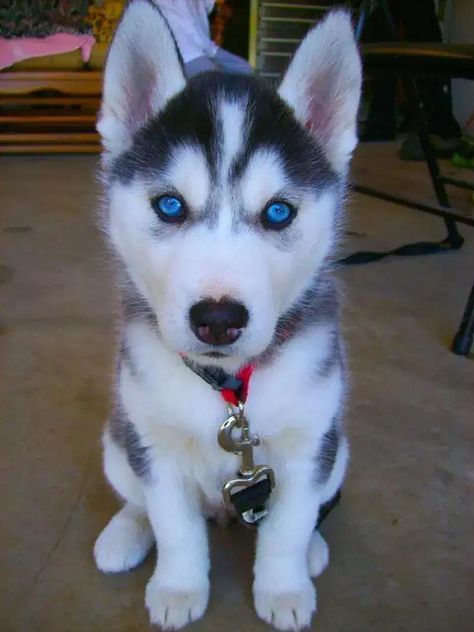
[(49, 104), (49, 111)]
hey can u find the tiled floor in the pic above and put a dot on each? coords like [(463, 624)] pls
[(401, 542)]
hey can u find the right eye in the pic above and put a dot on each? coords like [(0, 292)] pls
[(278, 215), (169, 208)]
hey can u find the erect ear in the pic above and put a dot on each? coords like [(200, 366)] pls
[(142, 72), (322, 85)]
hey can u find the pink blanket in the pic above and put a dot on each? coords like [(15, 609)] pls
[(18, 49)]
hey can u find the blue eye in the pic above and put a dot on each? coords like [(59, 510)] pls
[(169, 208), (277, 215)]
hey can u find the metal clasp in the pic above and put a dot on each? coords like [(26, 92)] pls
[(248, 473), (244, 445)]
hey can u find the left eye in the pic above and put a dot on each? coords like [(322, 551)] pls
[(169, 208), (277, 215)]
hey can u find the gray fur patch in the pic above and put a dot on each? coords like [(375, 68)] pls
[(126, 357), (281, 239), (319, 304), (327, 453), (125, 353), (136, 306), (211, 215), (123, 432), (333, 358)]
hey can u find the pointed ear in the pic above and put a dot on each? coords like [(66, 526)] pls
[(142, 72), (322, 85)]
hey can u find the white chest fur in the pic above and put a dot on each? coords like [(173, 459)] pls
[(176, 413)]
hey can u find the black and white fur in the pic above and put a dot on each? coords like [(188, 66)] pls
[(227, 145)]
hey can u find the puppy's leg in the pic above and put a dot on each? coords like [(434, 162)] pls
[(128, 537), (318, 555), (284, 594), (124, 542), (178, 591)]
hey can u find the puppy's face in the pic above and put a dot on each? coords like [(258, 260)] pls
[(223, 198)]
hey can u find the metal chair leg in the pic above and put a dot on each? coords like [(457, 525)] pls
[(454, 239), (462, 342)]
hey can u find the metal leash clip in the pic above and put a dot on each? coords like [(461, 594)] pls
[(248, 492)]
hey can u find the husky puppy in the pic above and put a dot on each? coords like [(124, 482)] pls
[(223, 204)]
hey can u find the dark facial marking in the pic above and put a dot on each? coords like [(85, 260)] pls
[(191, 118), (271, 124), (188, 119)]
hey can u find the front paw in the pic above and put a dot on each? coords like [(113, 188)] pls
[(318, 554), (286, 609), (171, 606)]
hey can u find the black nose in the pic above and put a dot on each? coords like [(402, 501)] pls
[(218, 322)]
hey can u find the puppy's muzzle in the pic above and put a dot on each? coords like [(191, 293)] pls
[(218, 322)]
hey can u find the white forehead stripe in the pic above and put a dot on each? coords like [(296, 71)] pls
[(188, 173), (232, 117), (262, 179)]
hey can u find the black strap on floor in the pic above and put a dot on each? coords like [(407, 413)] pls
[(409, 250)]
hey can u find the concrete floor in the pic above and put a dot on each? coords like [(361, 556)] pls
[(401, 541)]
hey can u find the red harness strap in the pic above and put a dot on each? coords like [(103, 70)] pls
[(231, 396)]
